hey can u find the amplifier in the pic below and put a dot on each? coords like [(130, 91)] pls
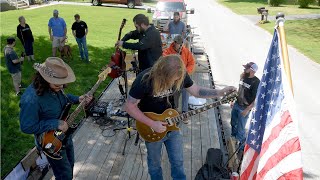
[(98, 109)]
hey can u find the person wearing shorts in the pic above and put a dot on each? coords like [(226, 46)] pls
[(57, 30)]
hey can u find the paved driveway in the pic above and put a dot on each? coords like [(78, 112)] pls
[(232, 40)]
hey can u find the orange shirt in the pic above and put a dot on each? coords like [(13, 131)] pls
[(186, 56)]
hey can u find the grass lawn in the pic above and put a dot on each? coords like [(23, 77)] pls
[(303, 35), (103, 23), (249, 7)]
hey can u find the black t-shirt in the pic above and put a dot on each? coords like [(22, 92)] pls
[(247, 91), (24, 33), (80, 28), (149, 103)]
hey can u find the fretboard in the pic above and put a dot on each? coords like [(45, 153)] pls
[(76, 112), (196, 111)]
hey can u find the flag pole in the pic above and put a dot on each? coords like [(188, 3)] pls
[(280, 26)]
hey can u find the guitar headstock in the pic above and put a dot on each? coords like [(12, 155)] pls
[(104, 74), (229, 97), (123, 23)]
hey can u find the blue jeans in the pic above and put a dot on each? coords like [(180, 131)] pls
[(82, 44), (238, 123), (63, 168), (173, 142), (185, 100)]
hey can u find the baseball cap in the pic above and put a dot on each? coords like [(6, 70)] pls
[(251, 65), (178, 39), (55, 11), (10, 40)]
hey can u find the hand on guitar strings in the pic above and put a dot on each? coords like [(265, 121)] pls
[(119, 44), (63, 126), (87, 98), (159, 126)]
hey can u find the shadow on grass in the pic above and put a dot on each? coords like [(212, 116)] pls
[(16, 144)]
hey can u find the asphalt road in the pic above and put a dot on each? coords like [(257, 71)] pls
[(232, 40)]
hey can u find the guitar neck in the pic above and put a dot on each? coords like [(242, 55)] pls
[(196, 111), (76, 112)]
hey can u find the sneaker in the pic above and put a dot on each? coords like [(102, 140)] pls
[(21, 86), (186, 120)]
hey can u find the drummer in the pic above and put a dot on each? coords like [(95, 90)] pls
[(176, 26)]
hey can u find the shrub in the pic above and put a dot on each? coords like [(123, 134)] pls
[(275, 2), (305, 3)]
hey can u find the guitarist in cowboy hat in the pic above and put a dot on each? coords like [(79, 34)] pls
[(42, 104), (152, 91)]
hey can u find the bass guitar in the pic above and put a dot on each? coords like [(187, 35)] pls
[(52, 141), (171, 117), (117, 59)]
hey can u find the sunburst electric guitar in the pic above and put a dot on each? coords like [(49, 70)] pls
[(52, 141), (171, 117)]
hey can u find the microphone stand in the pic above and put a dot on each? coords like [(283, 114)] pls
[(125, 96)]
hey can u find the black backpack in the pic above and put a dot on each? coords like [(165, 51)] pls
[(213, 168)]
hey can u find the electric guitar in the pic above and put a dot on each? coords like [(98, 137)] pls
[(52, 141), (172, 117)]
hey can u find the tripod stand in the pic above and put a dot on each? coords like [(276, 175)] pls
[(124, 93)]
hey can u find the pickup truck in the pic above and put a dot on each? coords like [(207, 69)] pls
[(165, 9)]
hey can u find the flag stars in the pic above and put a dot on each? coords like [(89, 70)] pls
[(269, 91), (264, 84), (273, 69), (279, 66), (271, 80), (265, 72), (253, 132), (271, 102), (278, 79), (274, 57), (261, 118), (262, 106), (258, 137), (259, 127), (269, 113), (274, 92), (263, 95), (253, 142), (275, 43), (257, 146), (253, 121), (254, 110)]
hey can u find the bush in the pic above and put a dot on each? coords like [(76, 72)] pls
[(305, 3), (275, 2)]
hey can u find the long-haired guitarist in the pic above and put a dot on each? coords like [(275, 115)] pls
[(152, 91), (42, 104)]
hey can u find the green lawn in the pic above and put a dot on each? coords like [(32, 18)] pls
[(302, 34), (249, 7), (103, 23)]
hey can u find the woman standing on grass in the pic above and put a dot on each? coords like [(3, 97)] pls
[(24, 33)]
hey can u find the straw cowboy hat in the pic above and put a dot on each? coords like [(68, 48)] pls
[(55, 71)]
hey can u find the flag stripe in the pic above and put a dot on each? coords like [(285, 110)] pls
[(295, 174), (291, 146), (285, 120), (248, 158), (287, 133), (250, 167), (287, 166)]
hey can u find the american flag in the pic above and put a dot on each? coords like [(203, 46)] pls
[(272, 149)]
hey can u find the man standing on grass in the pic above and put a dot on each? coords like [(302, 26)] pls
[(80, 31), (13, 64), (57, 30)]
